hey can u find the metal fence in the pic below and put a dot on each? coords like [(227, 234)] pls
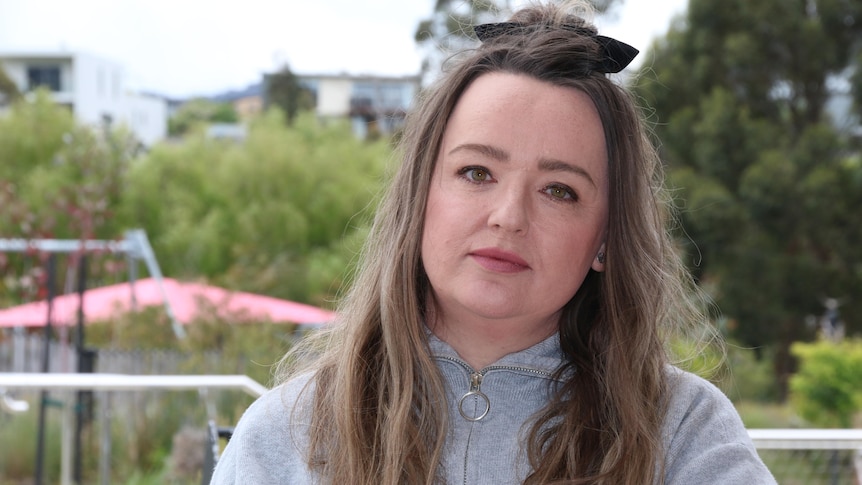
[(813, 467), (811, 456), (795, 456)]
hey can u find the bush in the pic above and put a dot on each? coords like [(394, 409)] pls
[(827, 389)]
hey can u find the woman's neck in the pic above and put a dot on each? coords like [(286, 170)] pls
[(480, 343)]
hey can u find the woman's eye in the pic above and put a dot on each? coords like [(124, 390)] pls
[(559, 192), (476, 174)]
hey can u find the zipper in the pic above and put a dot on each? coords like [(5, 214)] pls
[(476, 384), (476, 378), (475, 391)]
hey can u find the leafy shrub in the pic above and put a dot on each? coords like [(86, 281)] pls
[(827, 389)]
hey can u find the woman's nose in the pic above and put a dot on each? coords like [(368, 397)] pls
[(510, 210)]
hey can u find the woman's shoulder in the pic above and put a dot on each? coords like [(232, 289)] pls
[(705, 440), (694, 402), (282, 404), (270, 439), (690, 384)]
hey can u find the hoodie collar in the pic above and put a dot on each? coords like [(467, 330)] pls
[(545, 355)]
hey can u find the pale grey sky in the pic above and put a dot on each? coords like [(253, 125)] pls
[(190, 47)]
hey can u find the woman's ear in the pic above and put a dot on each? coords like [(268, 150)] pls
[(599, 261)]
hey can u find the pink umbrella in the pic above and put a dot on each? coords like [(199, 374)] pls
[(185, 298)]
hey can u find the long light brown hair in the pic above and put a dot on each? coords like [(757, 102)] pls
[(377, 416)]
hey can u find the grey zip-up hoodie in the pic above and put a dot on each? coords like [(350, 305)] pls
[(705, 441)]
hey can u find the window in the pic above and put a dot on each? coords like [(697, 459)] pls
[(48, 76)]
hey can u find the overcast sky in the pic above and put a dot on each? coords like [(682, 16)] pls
[(197, 47)]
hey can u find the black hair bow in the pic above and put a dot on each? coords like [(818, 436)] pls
[(616, 55)]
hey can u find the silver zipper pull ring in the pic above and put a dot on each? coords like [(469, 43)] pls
[(475, 382)]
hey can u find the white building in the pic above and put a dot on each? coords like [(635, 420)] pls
[(93, 88)]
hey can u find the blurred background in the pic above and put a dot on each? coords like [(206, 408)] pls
[(232, 155)]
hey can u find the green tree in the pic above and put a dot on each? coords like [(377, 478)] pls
[(58, 179), (9, 92), (827, 389), (31, 134), (279, 214), (282, 89), (768, 187), (283, 213)]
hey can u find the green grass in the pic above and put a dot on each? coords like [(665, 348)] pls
[(18, 440)]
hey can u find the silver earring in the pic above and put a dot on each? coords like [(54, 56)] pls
[(601, 257)]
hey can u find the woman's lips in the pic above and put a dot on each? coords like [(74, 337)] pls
[(499, 261)]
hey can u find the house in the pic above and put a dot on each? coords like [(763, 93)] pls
[(247, 102), (370, 102), (94, 89), (248, 107)]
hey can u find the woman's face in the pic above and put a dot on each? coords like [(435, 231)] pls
[(518, 203)]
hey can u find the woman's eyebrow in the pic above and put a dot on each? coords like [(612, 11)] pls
[(555, 165), (486, 150)]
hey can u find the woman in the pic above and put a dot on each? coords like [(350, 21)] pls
[(508, 319)]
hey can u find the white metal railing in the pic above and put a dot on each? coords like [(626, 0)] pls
[(69, 382), (127, 382), (839, 458), (764, 439), (806, 439)]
